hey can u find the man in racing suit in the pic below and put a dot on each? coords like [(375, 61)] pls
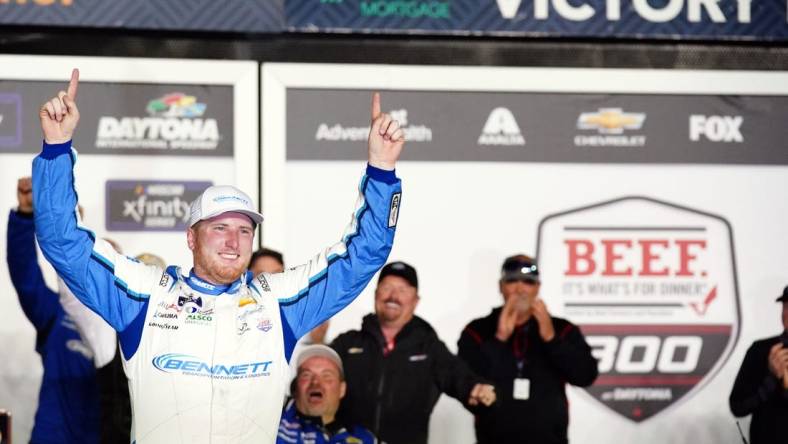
[(206, 351)]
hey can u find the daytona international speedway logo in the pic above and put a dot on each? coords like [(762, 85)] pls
[(176, 105), (653, 287), (174, 122)]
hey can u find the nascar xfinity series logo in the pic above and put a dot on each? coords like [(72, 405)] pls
[(653, 287), (149, 205), (193, 366), (174, 122)]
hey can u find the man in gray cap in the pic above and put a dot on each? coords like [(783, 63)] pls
[(318, 388), (206, 350), (520, 346), (761, 387)]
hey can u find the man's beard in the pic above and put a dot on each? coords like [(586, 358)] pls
[(387, 315), (218, 273)]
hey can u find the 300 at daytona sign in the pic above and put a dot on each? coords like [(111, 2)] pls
[(653, 287)]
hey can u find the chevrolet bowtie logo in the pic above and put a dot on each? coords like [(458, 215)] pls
[(611, 121)]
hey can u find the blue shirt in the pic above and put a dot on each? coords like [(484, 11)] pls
[(68, 403), (295, 428)]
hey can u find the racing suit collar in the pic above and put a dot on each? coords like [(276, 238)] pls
[(199, 284)]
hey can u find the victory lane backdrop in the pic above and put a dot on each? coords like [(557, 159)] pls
[(171, 128), (720, 20), (602, 167)]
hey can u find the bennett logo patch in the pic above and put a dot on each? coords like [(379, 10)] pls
[(653, 287), (394, 210), (188, 365), (164, 279)]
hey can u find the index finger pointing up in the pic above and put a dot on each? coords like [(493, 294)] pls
[(375, 106), (73, 84)]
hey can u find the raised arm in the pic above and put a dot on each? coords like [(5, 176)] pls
[(112, 285), (386, 138), (313, 292), (38, 302)]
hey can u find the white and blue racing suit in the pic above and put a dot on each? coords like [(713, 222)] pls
[(207, 363)]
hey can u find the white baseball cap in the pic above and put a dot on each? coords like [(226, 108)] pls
[(220, 199), (323, 351)]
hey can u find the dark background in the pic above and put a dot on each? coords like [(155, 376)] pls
[(422, 50)]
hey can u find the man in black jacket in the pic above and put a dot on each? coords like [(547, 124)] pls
[(529, 355), (761, 387), (396, 367)]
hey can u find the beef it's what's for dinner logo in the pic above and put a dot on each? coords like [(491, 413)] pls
[(653, 287)]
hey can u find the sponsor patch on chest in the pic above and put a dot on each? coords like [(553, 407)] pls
[(200, 317), (253, 314)]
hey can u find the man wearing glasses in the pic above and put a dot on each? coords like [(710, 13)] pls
[(528, 355)]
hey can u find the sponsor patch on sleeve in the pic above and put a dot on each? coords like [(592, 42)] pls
[(263, 282), (394, 209)]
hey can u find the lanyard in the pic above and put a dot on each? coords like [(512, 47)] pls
[(520, 348)]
